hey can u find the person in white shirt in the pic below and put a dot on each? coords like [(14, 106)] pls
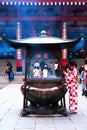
[(56, 69), (45, 72), (37, 72)]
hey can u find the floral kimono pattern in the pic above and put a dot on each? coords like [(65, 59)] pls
[(72, 86)]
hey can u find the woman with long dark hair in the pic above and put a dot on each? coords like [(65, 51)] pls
[(72, 85)]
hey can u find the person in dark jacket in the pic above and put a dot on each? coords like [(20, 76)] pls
[(9, 64), (80, 71), (8, 70)]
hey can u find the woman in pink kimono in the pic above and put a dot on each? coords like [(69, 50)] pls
[(72, 85)]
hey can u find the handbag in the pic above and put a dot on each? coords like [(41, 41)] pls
[(11, 75)]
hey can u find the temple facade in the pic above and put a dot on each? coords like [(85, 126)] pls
[(49, 15)]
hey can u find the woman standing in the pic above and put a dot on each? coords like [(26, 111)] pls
[(72, 85), (84, 80)]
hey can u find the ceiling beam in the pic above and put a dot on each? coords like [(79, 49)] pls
[(46, 18)]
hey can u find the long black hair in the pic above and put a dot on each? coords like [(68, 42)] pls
[(73, 63)]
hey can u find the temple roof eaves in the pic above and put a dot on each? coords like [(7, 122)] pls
[(37, 1)]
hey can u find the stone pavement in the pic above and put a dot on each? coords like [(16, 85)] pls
[(11, 102), (4, 80)]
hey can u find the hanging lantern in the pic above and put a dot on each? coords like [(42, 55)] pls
[(64, 54)]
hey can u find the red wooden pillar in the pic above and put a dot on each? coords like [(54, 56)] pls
[(19, 51), (64, 50)]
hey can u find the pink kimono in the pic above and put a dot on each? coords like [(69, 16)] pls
[(72, 86)]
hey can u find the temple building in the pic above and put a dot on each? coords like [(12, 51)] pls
[(27, 18)]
